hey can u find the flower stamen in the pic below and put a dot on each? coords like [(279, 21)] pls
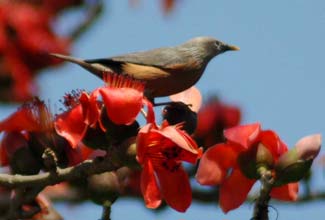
[(114, 80)]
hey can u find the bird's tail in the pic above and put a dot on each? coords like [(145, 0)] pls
[(97, 70)]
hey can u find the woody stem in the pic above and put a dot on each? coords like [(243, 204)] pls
[(84, 169), (262, 202)]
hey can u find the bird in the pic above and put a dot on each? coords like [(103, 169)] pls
[(166, 70)]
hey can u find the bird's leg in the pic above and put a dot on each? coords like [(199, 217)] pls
[(162, 103), (168, 103)]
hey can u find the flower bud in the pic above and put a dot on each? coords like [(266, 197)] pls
[(295, 164), (308, 147), (104, 186), (263, 156)]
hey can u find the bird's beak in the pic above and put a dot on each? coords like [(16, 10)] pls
[(230, 47)]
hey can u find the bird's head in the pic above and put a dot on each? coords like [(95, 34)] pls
[(208, 47)]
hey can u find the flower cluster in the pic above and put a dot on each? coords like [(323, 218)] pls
[(26, 135), (236, 164), (122, 100), (213, 118), (26, 39), (33, 127), (104, 123)]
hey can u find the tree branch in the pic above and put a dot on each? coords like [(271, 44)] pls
[(84, 169)]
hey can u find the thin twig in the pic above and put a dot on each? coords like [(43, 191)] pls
[(261, 211), (94, 11)]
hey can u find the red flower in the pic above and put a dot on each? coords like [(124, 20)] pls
[(220, 159), (123, 98), (213, 118), (83, 111), (161, 151), (32, 127), (31, 117), (26, 37)]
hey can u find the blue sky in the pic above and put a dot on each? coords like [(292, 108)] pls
[(277, 77)]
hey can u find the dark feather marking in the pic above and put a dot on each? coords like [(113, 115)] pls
[(116, 66)]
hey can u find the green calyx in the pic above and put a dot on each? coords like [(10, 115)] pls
[(252, 160), (290, 168)]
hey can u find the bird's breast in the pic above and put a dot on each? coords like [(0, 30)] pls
[(164, 81)]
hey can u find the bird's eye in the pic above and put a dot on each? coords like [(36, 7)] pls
[(217, 44)]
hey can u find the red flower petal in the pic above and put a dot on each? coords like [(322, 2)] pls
[(207, 117), (282, 148), (175, 188), (149, 186), (150, 112), (215, 113), (181, 139), (243, 135), (91, 110), (273, 143), (71, 126), (142, 139), (19, 121), (231, 116), (197, 154), (287, 192), (4, 160), (215, 163), (234, 190), (122, 104)]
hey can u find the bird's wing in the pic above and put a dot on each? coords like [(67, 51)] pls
[(164, 58)]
